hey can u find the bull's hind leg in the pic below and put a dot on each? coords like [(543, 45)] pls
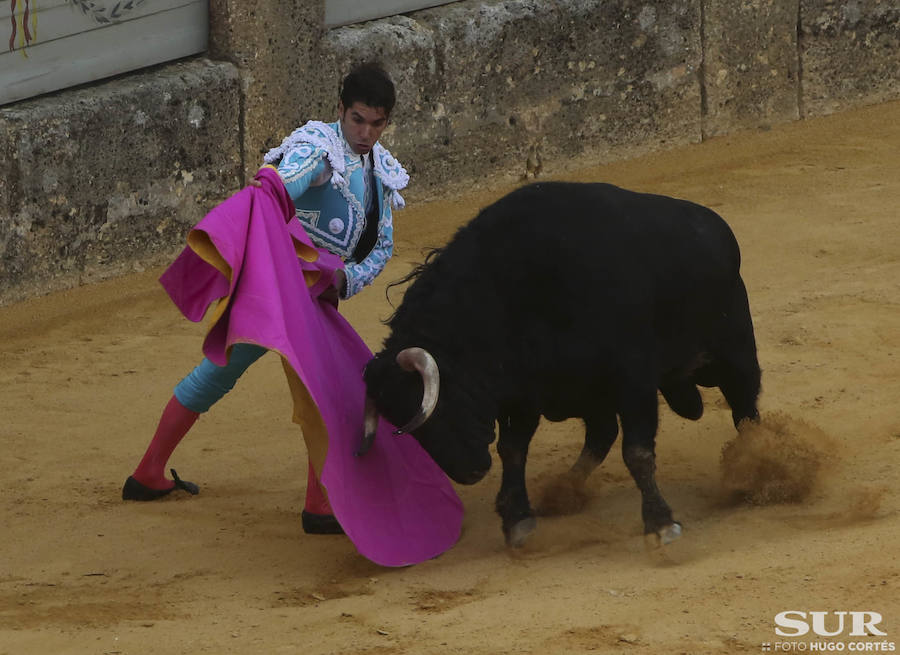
[(736, 368), (600, 432), (740, 383), (638, 411), (512, 501)]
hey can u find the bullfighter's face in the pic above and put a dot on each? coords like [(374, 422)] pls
[(457, 436), (362, 125)]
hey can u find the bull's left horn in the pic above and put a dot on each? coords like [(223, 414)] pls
[(419, 359), (371, 428)]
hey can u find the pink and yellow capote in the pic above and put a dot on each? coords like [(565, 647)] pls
[(259, 269)]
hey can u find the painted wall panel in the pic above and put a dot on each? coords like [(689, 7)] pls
[(53, 44)]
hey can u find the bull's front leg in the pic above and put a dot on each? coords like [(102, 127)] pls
[(512, 500), (639, 424)]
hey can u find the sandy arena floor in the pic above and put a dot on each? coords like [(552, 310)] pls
[(85, 374)]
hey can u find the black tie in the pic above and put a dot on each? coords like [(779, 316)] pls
[(370, 232)]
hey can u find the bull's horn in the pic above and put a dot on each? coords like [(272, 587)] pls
[(419, 359), (371, 427)]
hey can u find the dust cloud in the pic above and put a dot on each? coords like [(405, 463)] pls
[(563, 495), (780, 459)]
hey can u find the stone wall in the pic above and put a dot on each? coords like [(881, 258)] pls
[(850, 54), (509, 87), (108, 178), (751, 64)]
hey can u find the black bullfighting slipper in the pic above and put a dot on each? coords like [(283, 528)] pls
[(320, 523), (134, 490)]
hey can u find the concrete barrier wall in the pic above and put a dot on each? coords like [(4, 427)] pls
[(849, 53), (108, 178), (514, 86)]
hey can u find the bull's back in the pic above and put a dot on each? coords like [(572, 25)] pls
[(604, 241), (554, 266), (586, 271)]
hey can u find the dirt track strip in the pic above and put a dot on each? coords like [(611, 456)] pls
[(85, 374)]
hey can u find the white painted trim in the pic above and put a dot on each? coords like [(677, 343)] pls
[(345, 12)]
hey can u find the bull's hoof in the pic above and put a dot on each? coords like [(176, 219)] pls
[(670, 533), (664, 535), (519, 532)]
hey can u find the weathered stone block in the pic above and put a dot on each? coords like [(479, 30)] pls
[(277, 47), (528, 82), (850, 54), (751, 68), (102, 179), (504, 86)]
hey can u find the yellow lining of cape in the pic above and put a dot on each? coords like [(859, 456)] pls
[(200, 243), (307, 415)]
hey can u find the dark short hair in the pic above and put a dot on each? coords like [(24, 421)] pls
[(369, 84)]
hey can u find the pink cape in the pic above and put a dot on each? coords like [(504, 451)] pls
[(394, 503)]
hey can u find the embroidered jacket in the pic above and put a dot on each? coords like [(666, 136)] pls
[(334, 214)]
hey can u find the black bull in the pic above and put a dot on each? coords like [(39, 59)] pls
[(568, 300)]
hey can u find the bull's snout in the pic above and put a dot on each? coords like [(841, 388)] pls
[(470, 477)]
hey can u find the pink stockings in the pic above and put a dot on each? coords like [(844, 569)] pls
[(175, 422)]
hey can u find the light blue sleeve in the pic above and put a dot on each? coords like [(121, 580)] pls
[(301, 167), (361, 274)]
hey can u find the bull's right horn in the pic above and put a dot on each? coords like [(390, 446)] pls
[(419, 359)]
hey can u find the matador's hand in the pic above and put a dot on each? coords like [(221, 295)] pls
[(333, 293)]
